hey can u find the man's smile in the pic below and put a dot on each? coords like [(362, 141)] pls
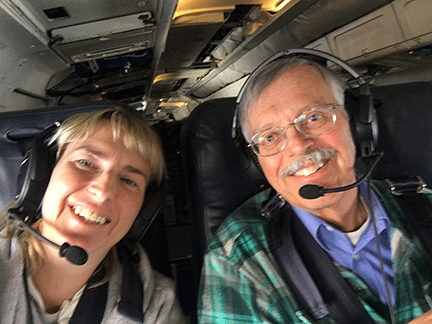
[(309, 163), (310, 170)]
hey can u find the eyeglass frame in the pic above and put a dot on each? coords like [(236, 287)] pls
[(332, 107)]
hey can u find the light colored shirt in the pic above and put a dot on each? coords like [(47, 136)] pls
[(160, 304), (361, 258), (66, 310)]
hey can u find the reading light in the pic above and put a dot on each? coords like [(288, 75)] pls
[(280, 4)]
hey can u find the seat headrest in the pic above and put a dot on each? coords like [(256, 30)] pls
[(216, 183), (405, 119)]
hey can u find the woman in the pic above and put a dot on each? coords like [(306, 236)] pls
[(105, 162)]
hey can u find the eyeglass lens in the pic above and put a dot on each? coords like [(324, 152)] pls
[(312, 122)]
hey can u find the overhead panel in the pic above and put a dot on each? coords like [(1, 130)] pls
[(104, 38), (416, 22), (81, 31), (55, 14), (367, 35), (389, 35)]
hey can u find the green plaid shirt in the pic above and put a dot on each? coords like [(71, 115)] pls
[(241, 281)]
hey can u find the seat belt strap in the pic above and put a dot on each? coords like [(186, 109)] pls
[(297, 275), (91, 306), (342, 302), (309, 270), (132, 293), (92, 303)]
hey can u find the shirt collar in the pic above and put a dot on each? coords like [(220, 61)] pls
[(314, 223)]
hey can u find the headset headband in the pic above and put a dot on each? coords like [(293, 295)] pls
[(359, 106), (295, 51)]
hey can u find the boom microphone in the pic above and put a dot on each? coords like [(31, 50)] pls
[(73, 254), (314, 191)]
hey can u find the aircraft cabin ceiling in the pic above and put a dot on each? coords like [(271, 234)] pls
[(163, 55)]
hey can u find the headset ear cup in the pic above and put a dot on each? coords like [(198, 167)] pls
[(255, 171), (34, 174), (153, 201), (247, 158), (351, 107), (363, 120)]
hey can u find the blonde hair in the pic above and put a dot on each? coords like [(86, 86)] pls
[(138, 135)]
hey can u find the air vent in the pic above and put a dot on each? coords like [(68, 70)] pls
[(56, 13)]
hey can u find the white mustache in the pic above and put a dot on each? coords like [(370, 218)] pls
[(314, 157)]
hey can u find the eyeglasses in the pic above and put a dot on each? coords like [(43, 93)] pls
[(312, 122)]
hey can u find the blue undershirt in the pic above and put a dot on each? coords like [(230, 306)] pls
[(362, 259)]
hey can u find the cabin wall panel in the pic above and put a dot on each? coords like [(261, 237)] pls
[(397, 27), (415, 17), (31, 75), (415, 21), (367, 35), (25, 63)]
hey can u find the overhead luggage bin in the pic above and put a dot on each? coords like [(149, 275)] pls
[(105, 38)]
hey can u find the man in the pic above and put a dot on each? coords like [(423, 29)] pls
[(293, 116), (106, 160)]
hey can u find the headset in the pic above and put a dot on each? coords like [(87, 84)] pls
[(358, 104), (34, 175)]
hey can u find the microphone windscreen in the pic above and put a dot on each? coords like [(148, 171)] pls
[(311, 191), (74, 254)]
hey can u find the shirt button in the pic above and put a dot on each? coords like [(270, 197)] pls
[(329, 228), (356, 256)]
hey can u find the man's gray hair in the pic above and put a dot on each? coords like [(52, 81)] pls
[(259, 81)]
